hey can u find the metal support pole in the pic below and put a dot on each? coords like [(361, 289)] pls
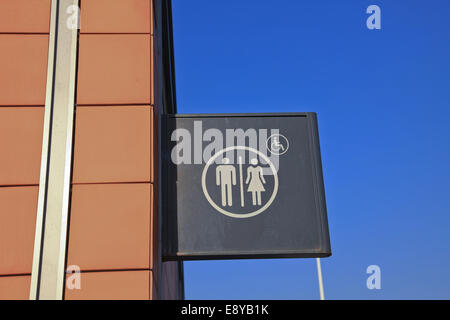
[(319, 275)]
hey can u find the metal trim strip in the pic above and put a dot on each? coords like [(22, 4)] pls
[(56, 164)]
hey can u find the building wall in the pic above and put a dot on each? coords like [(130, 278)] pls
[(111, 212), (113, 232)]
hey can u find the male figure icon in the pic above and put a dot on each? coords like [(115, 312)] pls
[(226, 178)]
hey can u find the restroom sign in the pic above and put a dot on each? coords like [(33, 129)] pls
[(245, 177), (242, 186)]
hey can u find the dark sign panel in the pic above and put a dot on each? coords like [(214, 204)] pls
[(243, 186)]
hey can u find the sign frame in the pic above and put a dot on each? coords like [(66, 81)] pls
[(169, 239)]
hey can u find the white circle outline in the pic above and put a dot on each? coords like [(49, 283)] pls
[(234, 215), (277, 153)]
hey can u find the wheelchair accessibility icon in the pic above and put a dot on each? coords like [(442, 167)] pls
[(277, 144)]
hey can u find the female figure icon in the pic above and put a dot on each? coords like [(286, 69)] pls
[(255, 181)]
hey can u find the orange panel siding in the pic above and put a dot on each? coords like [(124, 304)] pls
[(110, 226), (113, 144), (119, 285), (114, 69), (25, 16), (20, 144), (23, 65), (119, 16), (113, 228), (17, 224), (24, 28), (15, 288)]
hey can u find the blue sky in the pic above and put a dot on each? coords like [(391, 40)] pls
[(383, 104)]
